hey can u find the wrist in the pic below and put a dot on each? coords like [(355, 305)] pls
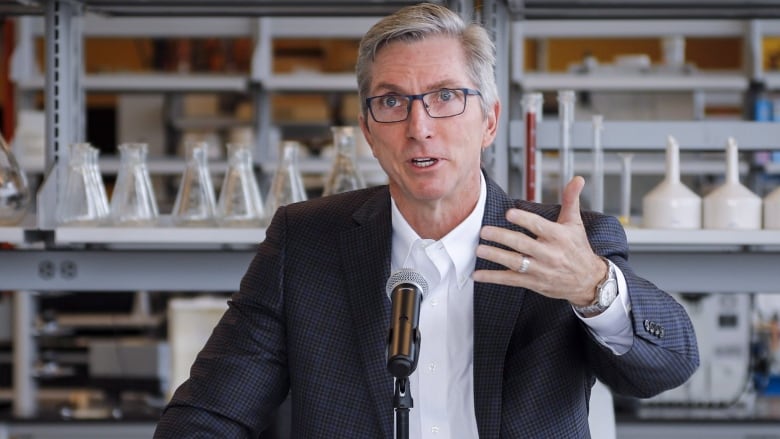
[(603, 294)]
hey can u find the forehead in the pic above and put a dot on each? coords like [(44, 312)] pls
[(418, 65)]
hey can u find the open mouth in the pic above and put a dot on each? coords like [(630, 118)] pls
[(424, 162)]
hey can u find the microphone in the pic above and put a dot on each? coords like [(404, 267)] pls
[(406, 289)]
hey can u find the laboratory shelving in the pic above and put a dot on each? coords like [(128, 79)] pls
[(165, 258)]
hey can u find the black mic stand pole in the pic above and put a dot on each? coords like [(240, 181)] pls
[(402, 402)]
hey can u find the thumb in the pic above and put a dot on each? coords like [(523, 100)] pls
[(570, 205)]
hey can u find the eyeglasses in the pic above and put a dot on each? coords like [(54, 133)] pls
[(445, 102)]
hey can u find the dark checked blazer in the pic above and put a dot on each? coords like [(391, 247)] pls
[(312, 317)]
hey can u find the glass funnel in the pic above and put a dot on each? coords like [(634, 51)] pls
[(287, 186), (83, 199), (240, 203), (14, 192), (344, 175), (133, 202), (195, 203)]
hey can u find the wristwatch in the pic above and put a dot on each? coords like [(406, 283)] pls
[(606, 293)]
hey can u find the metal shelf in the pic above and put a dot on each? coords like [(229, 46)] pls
[(652, 135), (311, 82), (635, 81), (703, 237), (153, 82), (165, 233)]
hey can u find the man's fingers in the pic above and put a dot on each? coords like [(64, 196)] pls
[(570, 205)]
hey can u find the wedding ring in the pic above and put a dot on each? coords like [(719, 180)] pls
[(524, 264)]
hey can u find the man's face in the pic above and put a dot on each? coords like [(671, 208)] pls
[(430, 161)]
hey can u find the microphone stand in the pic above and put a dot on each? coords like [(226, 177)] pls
[(402, 402), (402, 399)]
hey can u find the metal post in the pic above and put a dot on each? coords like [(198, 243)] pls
[(25, 403)]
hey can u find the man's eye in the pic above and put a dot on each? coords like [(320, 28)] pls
[(445, 95), (390, 101)]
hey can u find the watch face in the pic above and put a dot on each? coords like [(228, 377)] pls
[(608, 292)]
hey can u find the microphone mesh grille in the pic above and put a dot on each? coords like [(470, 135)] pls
[(406, 275)]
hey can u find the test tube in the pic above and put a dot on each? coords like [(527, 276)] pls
[(532, 111), (566, 101), (598, 165), (625, 188)]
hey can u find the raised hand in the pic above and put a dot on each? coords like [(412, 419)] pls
[(559, 263)]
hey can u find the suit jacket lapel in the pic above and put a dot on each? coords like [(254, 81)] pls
[(496, 310), (365, 252)]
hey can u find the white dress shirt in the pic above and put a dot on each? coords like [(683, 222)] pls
[(442, 387)]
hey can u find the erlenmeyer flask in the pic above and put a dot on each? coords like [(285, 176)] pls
[(344, 175), (83, 198), (287, 186), (14, 192), (195, 203), (133, 202), (240, 203)]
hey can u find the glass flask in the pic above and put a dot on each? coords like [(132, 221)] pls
[(287, 186), (344, 175), (83, 200), (133, 202), (14, 192), (195, 203), (240, 203)]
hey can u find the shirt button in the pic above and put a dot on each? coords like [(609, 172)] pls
[(435, 429), (432, 367), (434, 302)]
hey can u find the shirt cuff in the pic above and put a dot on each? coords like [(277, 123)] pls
[(612, 328)]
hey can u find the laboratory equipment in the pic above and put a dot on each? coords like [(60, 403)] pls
[(195, 203), (133, 202), (287, 186), (344, 174), (671, 204), (566, 101), (240, 203), (771, 204), (732, 205), (532, 110), (83, 199), (597, 176), (14, 192), (625, 187)]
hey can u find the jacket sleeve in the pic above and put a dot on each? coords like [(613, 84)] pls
[(664, 353), (240, 377)]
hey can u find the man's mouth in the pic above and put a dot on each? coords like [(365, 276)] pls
[(424, 162)]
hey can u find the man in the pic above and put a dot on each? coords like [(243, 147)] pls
[(528, 304)]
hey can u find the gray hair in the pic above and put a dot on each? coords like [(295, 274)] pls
[(415, 23)]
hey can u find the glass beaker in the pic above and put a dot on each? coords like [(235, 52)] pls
[(344, 175), (287, 186), (132, 201), (195, 203), (14, 191), (83, 198), (240, 203)]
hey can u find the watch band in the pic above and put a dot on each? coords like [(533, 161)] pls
[(598, 306)]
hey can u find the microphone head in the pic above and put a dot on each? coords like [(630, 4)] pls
[(406, 275)]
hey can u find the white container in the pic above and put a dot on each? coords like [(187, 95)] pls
[(732, 205), (671, 204), (772, 210), (190, 323)]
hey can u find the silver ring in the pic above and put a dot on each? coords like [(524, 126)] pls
[(524, 264)]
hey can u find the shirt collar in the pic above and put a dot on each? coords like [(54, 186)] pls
[(464, 257)]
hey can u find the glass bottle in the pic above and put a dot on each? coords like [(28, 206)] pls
[(15, 196), (132, 201), (344, 175), (83, 200), (240, 203), (195, 203), (287, 186)]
